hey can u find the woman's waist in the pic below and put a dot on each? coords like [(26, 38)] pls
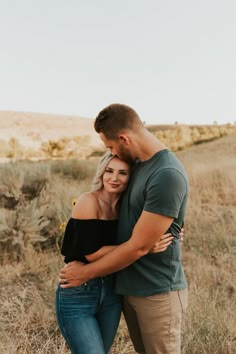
[(108, 279)]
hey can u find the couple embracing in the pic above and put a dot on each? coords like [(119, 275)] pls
[(122, 245)]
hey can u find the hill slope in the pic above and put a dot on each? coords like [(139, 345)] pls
[(25, 135), (31, 129)]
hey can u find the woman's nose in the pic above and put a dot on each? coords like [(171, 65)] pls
[(114, 176)]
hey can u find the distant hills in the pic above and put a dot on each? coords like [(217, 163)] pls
[(31, 129), (27, 135)]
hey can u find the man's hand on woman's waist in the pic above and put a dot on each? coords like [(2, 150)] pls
[(72, 275)]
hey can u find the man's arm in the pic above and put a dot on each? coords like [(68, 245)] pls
[(159, 246), (148, 230)]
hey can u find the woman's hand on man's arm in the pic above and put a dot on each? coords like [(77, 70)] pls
[(165, 241), (161, 246)]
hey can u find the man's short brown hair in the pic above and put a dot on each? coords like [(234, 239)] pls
[(116, 118)]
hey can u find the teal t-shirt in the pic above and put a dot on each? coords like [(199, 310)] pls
[(158, 185)]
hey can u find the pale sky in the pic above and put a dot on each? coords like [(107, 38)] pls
[(171, 60)]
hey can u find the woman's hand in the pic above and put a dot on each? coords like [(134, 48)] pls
[(161, 246), (181, 236), (165, 241)]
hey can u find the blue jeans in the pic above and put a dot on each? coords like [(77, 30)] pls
[(88, 315)]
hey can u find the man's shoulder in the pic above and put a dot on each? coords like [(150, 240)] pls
[(168, 176), (170, 164)]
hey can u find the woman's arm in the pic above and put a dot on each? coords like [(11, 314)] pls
[(159, 246), (100, 253)]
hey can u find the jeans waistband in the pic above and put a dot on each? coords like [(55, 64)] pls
[(108, 279)]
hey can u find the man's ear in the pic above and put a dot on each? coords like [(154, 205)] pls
[(124, 139)]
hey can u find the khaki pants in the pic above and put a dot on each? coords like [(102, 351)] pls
[(154, 322)]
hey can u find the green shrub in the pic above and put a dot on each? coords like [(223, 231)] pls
[(36, 201)]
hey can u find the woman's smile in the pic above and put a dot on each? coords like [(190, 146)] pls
[(116, 175)]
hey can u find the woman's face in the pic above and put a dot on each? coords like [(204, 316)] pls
[(116, 176)]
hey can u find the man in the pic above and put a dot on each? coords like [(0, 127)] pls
[(153, 285)]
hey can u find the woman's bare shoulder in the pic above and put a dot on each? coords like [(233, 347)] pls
[(86, 207)]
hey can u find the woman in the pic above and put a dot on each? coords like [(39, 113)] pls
[(88, 315)]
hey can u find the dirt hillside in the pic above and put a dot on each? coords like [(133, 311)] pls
[(31, 129)]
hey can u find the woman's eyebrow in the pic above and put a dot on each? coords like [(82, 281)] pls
[(112, 169)]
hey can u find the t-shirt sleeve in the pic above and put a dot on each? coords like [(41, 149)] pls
[(165, 193)]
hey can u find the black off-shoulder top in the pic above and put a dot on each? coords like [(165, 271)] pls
[(83, 237)]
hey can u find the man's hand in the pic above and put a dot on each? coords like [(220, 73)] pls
[(71, 275)]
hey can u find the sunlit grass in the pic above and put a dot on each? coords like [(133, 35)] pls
[(29, 281)]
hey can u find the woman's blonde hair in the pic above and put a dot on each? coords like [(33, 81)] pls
[(97, 183)]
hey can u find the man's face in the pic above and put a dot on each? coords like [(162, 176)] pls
[(117, 149)]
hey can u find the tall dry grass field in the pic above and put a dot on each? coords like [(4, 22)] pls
[(35, 202), (210, 248)]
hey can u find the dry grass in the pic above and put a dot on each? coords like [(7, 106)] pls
[(27, 314), (210, 248), (27, 293)]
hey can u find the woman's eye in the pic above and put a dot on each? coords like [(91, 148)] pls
[(123, 173), (109, 171)]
